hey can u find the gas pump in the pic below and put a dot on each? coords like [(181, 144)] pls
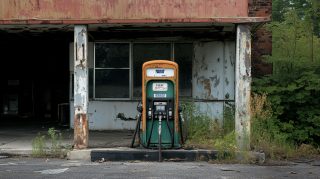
[(159, 112)]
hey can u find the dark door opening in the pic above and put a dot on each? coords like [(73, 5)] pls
[(34, 80)]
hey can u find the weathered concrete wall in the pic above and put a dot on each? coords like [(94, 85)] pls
[(213, 76), (120, 9), (103, 115)]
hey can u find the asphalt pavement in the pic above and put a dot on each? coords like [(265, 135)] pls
[(61, 168)]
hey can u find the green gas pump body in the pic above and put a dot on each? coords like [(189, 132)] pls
[(160, 105)]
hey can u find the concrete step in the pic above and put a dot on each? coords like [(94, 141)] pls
[(152, 155)]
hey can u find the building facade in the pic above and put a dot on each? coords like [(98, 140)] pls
[(91, 54)]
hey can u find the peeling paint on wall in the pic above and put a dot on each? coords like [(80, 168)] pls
[(213, 76), (103, 115), (81, 130), (243, 86), (213, 71), (120, 9)]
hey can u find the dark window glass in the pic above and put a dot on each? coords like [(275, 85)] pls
[(143, 52), (112, 83), (183, 57), (110, 80), (112, 55), (90, 83)]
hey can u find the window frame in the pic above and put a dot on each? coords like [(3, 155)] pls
[(130, 68), (126, 68), (148, 42)]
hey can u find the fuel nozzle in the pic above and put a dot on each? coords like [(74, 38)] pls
[(170, 114), (139, 107)]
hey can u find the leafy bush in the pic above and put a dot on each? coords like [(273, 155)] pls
[(295, 104)]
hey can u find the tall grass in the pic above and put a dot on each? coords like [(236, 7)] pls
[(206, 132), (267, 136)]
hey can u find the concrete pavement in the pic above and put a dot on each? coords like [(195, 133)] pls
[(59, 168), (17, 140), (103, 145)]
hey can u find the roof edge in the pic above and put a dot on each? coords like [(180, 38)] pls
[(233, 20)]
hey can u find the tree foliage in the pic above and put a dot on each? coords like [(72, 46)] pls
[(306, 9), (294, 87)]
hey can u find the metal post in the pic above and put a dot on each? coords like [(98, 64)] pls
[(81, 91), (243, 87), (159, 140)]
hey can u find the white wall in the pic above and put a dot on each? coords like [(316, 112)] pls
[(213, 76), (103, 115), (213, 84)]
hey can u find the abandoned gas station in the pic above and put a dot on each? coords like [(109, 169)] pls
[(80, 62)]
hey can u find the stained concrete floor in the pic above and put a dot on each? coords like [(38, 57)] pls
[(17, 139)]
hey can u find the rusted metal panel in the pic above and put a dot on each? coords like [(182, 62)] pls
[(120, 9), (243, 87), (81, 132)]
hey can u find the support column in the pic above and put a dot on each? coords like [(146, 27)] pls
[(81, 91), (243, 87)]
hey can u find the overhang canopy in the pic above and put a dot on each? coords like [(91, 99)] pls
[(30, 12)]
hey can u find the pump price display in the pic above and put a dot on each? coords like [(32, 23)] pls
[(160, 86), (159, 95)]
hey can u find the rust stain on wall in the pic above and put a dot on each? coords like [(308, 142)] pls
[(121, 9), (207, 86), (81, 134)]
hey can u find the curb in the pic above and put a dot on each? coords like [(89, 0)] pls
[(84, 154), (129, 154), (16, 152), (153, 155)]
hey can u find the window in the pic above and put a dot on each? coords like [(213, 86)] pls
[(143, 52), (116, 72), (183, 53), (112, 70)]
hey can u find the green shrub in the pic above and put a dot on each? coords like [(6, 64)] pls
[(295, 104)]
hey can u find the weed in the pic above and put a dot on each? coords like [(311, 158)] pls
[(40, 149), (39, 146), (205, 132), (56, 147), (226, 146)]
